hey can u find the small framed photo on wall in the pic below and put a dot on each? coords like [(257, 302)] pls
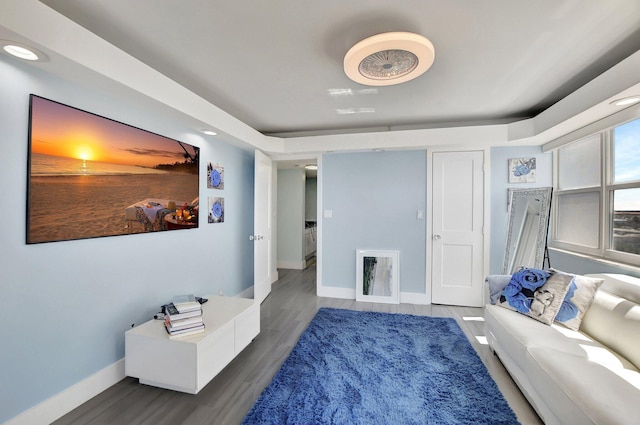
[(522, 170), (215, 176), (216, 209)]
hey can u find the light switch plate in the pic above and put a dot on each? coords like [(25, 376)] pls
[(420, 215), (328, 214)]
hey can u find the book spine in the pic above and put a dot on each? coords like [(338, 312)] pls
[(185, 332)]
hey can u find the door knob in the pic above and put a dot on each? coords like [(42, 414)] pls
[(437, 237)]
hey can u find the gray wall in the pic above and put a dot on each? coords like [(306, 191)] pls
[(66, 305), (374, 198)]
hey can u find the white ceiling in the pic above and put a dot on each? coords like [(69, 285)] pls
[(273, 64), (262, 72)]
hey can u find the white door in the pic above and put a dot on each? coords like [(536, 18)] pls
[(457, 241), (262, 227)]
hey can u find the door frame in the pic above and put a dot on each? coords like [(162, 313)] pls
[(486, 239), (275, 158)]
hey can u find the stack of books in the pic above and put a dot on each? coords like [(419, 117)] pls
[(183, 316)]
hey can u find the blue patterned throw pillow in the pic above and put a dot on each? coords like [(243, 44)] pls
[(536, 293), (578, 299)]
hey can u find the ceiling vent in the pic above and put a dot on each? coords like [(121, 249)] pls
[(389, 58)]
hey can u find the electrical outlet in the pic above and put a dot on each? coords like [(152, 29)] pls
[(221, 292)]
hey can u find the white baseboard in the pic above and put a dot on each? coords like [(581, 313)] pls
[(335, 292), (414, 298), (350, 294), (65, 401)]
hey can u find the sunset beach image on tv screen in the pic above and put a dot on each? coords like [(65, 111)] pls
[(90, 176)]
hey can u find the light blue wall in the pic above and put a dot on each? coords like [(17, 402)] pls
[(374, 198), (291, 194), (499, 189), (66, 305)]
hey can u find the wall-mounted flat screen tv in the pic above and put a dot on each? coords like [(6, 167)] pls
[(90, 176)]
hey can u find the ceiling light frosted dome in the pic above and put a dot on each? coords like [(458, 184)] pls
[(626, 101), (389, 58), (22, 51)]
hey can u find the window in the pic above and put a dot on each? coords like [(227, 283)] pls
[(597, 208)]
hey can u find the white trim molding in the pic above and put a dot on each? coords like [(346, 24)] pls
[(414, 298), (65, 401)]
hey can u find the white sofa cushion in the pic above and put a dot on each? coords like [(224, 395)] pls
[(614, 316), (569, 377), (584, 390), (516, 333)]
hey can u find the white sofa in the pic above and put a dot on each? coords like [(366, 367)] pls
[(590, 376)]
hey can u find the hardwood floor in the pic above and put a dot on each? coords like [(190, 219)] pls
[(285, 314)]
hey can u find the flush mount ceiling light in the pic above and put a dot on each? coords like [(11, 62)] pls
[(209, 132), (389, 58), (626, 101), (21, 51), (311, 167)]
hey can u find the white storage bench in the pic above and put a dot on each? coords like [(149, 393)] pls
[(188, 363)]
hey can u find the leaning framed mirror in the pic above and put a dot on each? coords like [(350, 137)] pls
[(527, 228)]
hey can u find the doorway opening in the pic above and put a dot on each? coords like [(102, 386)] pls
[(296, 211)]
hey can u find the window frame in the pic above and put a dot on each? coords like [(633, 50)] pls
[(605, 190)]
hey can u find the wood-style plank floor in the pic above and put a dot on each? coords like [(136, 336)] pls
[(285, 314)]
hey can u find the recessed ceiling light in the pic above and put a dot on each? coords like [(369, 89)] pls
[(210, 132), (21, 51), (389, 58), (626, 101)]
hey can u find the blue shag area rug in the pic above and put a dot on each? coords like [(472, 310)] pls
[(353, 367)]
